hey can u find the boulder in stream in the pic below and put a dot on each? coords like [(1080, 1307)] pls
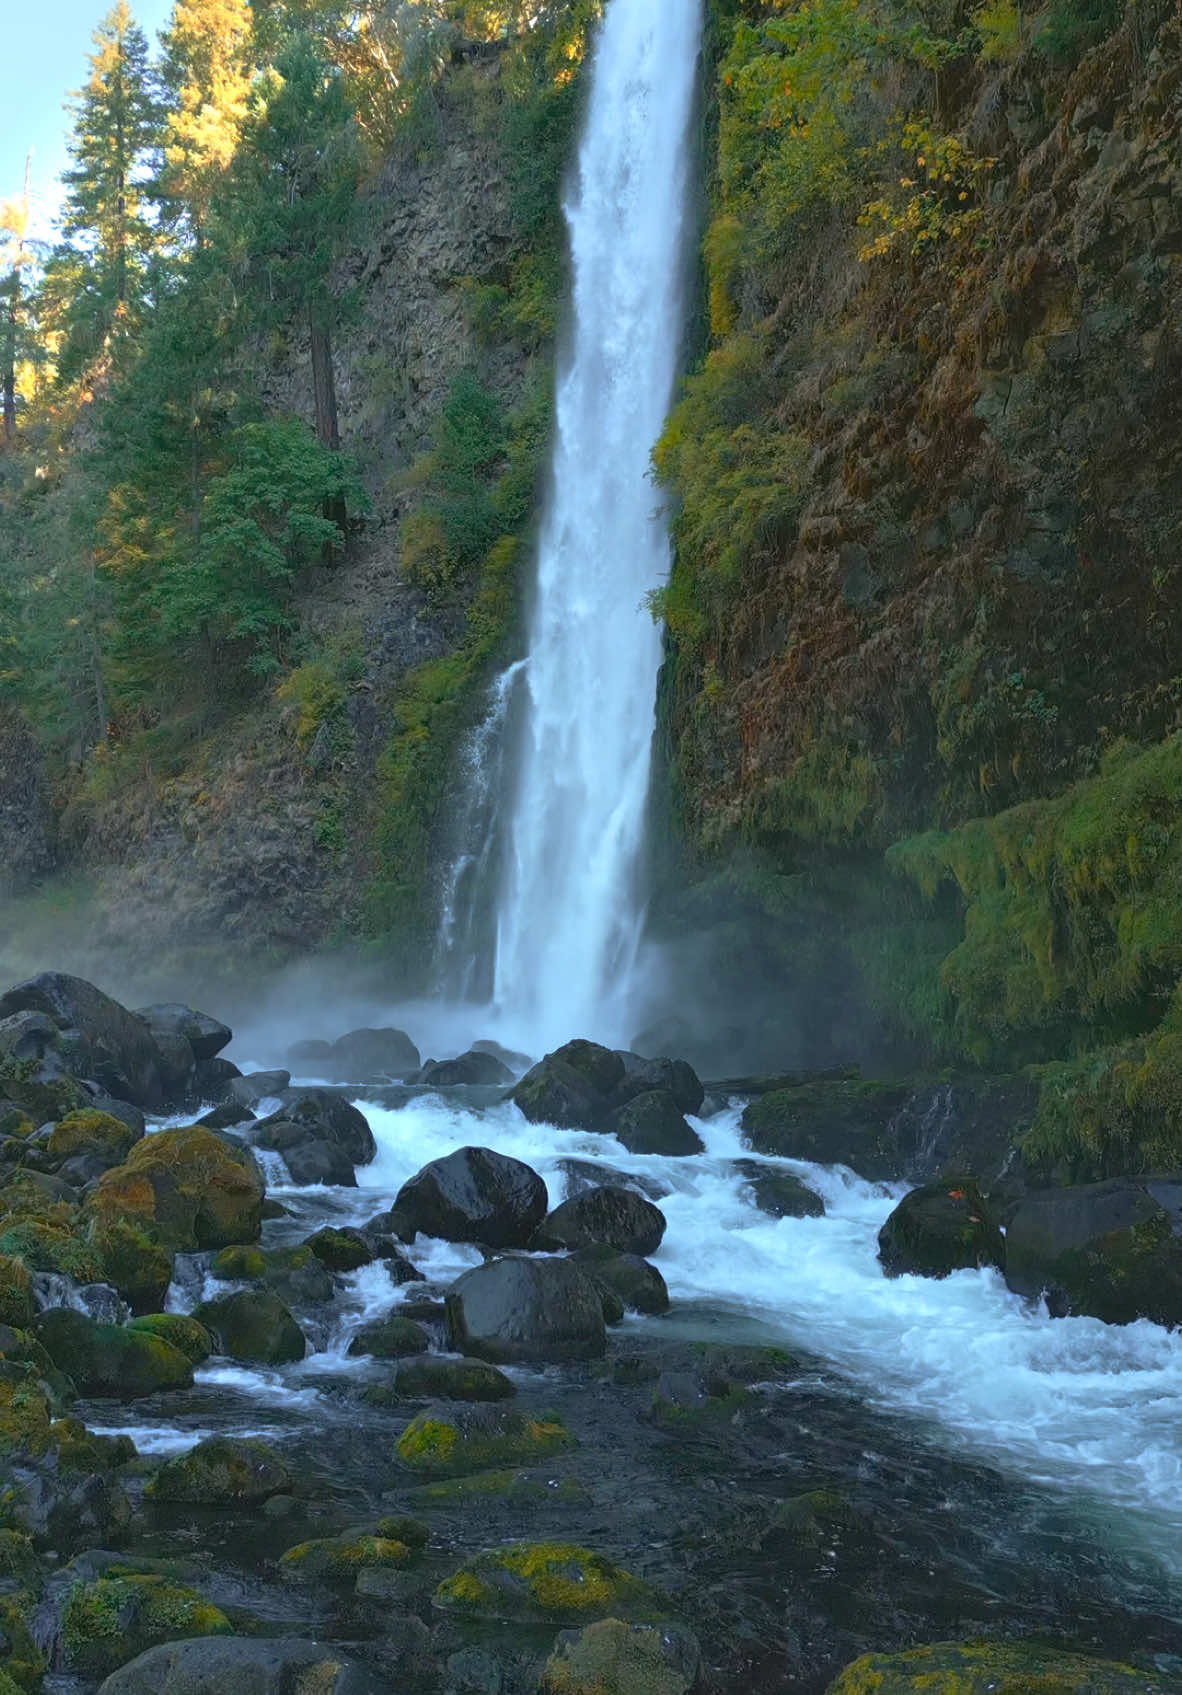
[(656, 1659), (255, 1325), (990, 1668), (242, 1666), (616, 1216), (675, 1075), (223, 1471), (1105, 1250), (390, 1338), (473, 1068), (941, 1228), (374, 1056), (190, 1188), (632, 1281), (110, 1359), (454, 1439), (526, 1309), (778, 1193), (475, 1195), (653, 1123)]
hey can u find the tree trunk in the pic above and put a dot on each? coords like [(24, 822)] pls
[(325, 390), (8, 375)]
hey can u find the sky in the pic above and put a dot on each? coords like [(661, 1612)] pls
[(45, 48)]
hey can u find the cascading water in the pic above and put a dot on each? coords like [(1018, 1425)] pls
[(571, 909)]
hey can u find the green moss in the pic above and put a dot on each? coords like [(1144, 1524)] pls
[(179, 1330), (114, 1619), (338, 1559), (16, 1292), (134, 1263), (986, 1668), (49, 1246), (544, 1580), (92, 1133), (18, 1562), (24, 1664), (238, 1264), (79, 1449), (24, 1411), (481, 1438)]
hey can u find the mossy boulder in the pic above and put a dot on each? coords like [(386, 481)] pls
[(190, 1189), (611, 1657), (990, 1668), (229, 1665), (653, 1123), (390, 1338), (431, 1378), (18, 1562), (110, 1359), (95, 1037), (253, 1324), (294, 1274), (23, 1661), (224, 1471), (133, 1261), (338, 1559), (535, 1581), (51, 1243), (840, 1122), (341, 1250), (16, 1292), (239, 1264), (25, 1417), (180, 1330), (941, 1228), (1105, 1250), (92, 1135), (450, 1440), (110, 1621)]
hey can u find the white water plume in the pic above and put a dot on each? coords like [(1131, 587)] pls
[(572, 908)]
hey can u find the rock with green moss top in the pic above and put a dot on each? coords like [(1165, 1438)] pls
[(133, 1262), (991, 1668), (110, 1621), (400, 1527), (18, 1562), (390, 1338), (240, 1264), (340, 1250), (52, 1243), (941, 1228), (16, 1292), (517, 1488), (535, 1581), (83, 1450), (180, 1330), (110, 1359), (253, 1324), (294, 1274), (450, 1439), (433, 1378), (92, 1135), (611, 1657), (225, 1471), (1106, 1250), (338, 1559), (24, 1411), (190, 1189), (23, 1660), (840, 1122)]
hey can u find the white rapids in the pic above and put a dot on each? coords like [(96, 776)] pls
[(571, 911)]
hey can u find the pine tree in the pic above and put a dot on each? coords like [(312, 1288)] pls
[(207, 72), (116, 132), (14, 256)]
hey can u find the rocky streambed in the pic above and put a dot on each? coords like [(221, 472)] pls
[(383, 1381)]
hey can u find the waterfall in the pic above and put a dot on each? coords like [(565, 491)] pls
[(571, 907)]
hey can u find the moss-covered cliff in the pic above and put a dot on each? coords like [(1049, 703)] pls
[(922, 698)]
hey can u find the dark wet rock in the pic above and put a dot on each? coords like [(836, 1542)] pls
[(227, 1116), (390, 1338), (257, 1086), (211, 1081), (110, 1359), (27, 1036), (637, 1285), (340, 1249), (509, 1057), (390, 1224), (308, 1158), (71, 1496), (475, 1195), (330, 1117), (433, 1378), (190, 1188), (583, 1174), (399, 1267), (535, 1581), (914, 1130), (641, 1076), (1107, 1250), (206, 1036), (454, 1439), (309, 1055), (555, 1093), (426, 1309), (365, 1056), (526, 1309), (992, 1668), (618, 1217), (224, 1471), (941, 1228), (778, 1193), (610, 1655), (253, 1324), (472, 1671), (96, 1037), (602, 1069), (820, 1531), (469, 1068), (652, 1123), (243, 1666)]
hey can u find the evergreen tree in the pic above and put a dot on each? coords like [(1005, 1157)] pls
[(116, 132), (14, 257), (207, 72)]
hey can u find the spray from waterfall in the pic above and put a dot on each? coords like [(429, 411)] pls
[(572, 904)]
